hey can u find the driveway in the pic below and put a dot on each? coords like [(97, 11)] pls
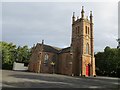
[(17, 79)]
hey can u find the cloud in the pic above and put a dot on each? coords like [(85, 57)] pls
[(118, 20), (0, 21), (29, 23)]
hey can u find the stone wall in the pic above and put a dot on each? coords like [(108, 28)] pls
[(38, 64), (65, 64)]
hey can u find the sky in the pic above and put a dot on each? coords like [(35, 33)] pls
[(27, 23), (0, 21), (119, 19)]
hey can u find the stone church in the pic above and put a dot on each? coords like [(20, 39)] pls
[(76, 60)]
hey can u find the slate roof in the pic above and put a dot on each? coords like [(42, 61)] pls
[(48, 48), (65, 50)]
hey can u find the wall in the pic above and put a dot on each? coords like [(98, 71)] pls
[(19, 66), (65, 65), (47, 67)]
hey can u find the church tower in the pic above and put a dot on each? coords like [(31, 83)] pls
[(82, 45)]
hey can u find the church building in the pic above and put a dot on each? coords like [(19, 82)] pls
[(76, 60)]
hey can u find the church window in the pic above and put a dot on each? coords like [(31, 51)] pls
[(46, 58), (86, 29), (87, 48)]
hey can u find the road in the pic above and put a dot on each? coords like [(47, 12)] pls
[(17, 79)]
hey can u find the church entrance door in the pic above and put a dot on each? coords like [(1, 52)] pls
[(88, 70)]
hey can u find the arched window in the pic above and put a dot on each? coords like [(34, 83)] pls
[(87, 48), (46, 58), (86, 29)]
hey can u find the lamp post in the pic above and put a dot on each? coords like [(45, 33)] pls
[(53, 64)]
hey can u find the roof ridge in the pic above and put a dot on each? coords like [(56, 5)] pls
[(57, 48)]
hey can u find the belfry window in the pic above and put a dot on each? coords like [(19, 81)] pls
[(87, 48), (86, 29)]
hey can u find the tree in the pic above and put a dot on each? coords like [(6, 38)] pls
[(8, 52), (11, 53), (108, 62), (23, 54)]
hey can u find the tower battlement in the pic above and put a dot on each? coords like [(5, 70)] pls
[(86, 19)]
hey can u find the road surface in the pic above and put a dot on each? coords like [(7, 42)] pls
[(17, 79)]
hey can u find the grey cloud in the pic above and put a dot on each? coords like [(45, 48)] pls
[(119, 20), (29, 23), (0, 21)]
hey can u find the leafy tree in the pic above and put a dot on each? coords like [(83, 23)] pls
[(8, 51), (23, 54), (11, 53), (108, 62)]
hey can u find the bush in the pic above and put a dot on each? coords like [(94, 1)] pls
[(7, 66)]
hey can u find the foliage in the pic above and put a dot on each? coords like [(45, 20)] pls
[(23, 54), (108, 62), (11, 53)]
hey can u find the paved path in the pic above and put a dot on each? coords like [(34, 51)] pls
[(34, 80)]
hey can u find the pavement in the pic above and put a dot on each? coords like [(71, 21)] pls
[(17, 79)]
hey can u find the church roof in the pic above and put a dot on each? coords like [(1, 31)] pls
[(48, 48), (65, 50)]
